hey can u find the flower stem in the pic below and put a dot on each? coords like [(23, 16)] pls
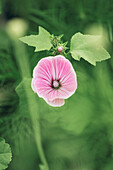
[(23, 62)]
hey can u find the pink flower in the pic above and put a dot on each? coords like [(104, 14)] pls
[(54, 79)]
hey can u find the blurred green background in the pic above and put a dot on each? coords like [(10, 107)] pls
[(79, 135)]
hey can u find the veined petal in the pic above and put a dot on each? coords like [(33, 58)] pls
[(44, 69), (41, 87), (67, 78), (56, 102)]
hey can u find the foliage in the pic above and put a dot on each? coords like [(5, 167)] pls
[(5, 154), (88, 47), (40, 42)]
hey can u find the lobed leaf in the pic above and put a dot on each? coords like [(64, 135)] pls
[(88, 47), (40, 42)]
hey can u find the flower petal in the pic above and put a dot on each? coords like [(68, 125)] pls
[(66, 75), (44, 69), (41, 87), (56, 102), (33, 85)]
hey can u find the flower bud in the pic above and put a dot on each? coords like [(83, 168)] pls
[(60, 49)]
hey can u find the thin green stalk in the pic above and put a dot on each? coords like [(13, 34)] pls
[(23, 62), (110, 32)]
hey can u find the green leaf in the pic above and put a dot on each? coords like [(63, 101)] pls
[(88, 47), (27, 97), (5, 154), (40, 42)]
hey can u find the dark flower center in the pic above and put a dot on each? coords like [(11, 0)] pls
[(55, 84)]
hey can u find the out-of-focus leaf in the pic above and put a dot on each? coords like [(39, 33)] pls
[(40, 42), (22, 89), (5, 154), (88, 47), (0, 6), (77, 114)]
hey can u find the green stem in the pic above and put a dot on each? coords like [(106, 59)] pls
[(23, 62), (110, 32)]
